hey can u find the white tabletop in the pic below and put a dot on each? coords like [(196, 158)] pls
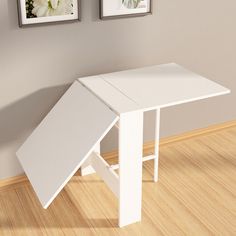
[(151, 87), (64, 140)]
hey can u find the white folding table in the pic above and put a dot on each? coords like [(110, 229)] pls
[(69, 136)]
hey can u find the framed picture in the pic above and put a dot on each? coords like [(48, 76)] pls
[(47, 11), (124, 8)]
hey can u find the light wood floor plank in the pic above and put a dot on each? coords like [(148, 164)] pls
[(195, 195)]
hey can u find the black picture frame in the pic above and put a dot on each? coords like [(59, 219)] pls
[(23, 24)]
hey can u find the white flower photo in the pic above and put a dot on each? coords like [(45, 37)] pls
[(123, 8), (43, 11), (131, 4)]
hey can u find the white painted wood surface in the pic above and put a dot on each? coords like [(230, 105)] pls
[(130, 167), (111, 96), (107, 174), (157, 141), (86, 168), (64, 140), (132, 92), (163, 85), (155, 87)]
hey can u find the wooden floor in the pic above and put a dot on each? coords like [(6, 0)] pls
[(195, 195)]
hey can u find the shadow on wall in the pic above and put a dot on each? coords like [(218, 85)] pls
[(22, 116)]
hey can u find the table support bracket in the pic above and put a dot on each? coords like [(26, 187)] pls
[(102, 168)]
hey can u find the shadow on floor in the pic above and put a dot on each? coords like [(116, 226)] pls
[(65, 212)]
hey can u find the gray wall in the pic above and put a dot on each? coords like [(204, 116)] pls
[(37, 64)]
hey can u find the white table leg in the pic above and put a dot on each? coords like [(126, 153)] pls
[(130, 171), (157, 140), (86, 168)]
